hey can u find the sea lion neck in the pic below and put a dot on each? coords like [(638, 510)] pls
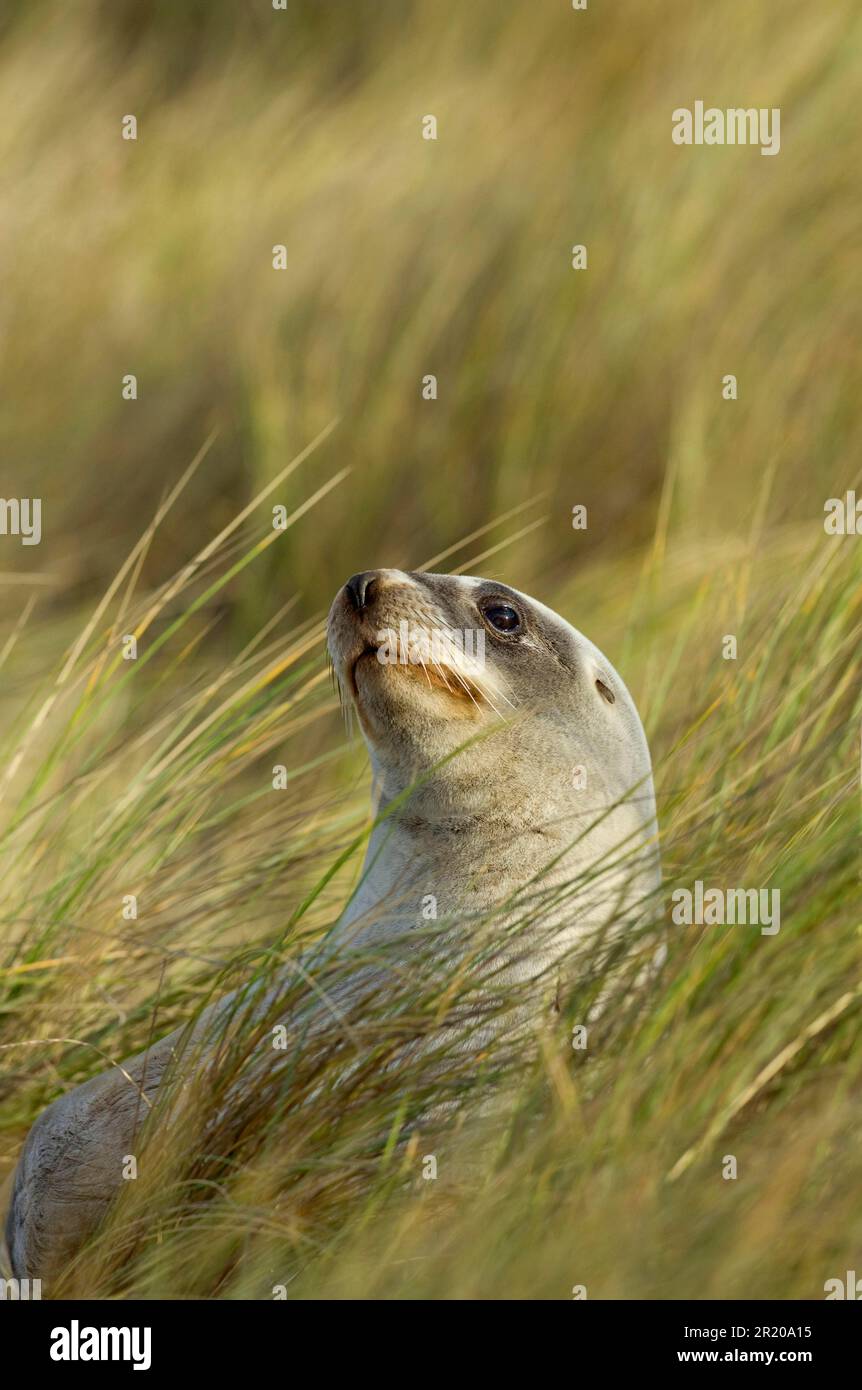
[(461, 862)]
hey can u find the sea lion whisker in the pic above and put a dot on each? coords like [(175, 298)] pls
[(483, 693), (427, 676)]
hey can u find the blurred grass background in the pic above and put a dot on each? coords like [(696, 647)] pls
[(603, 387), (408, 257)]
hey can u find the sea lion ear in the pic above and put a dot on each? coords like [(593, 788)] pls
[(605, 690)]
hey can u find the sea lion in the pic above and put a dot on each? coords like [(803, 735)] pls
[(510, 767)]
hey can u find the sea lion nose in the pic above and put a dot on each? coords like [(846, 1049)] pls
[(362, 589)]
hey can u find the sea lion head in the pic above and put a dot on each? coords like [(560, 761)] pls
[(496, 704)]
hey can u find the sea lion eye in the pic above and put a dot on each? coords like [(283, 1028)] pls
[(502, 617), (606, 692)]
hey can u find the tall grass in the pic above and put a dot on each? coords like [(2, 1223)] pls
[(607, 1167)]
